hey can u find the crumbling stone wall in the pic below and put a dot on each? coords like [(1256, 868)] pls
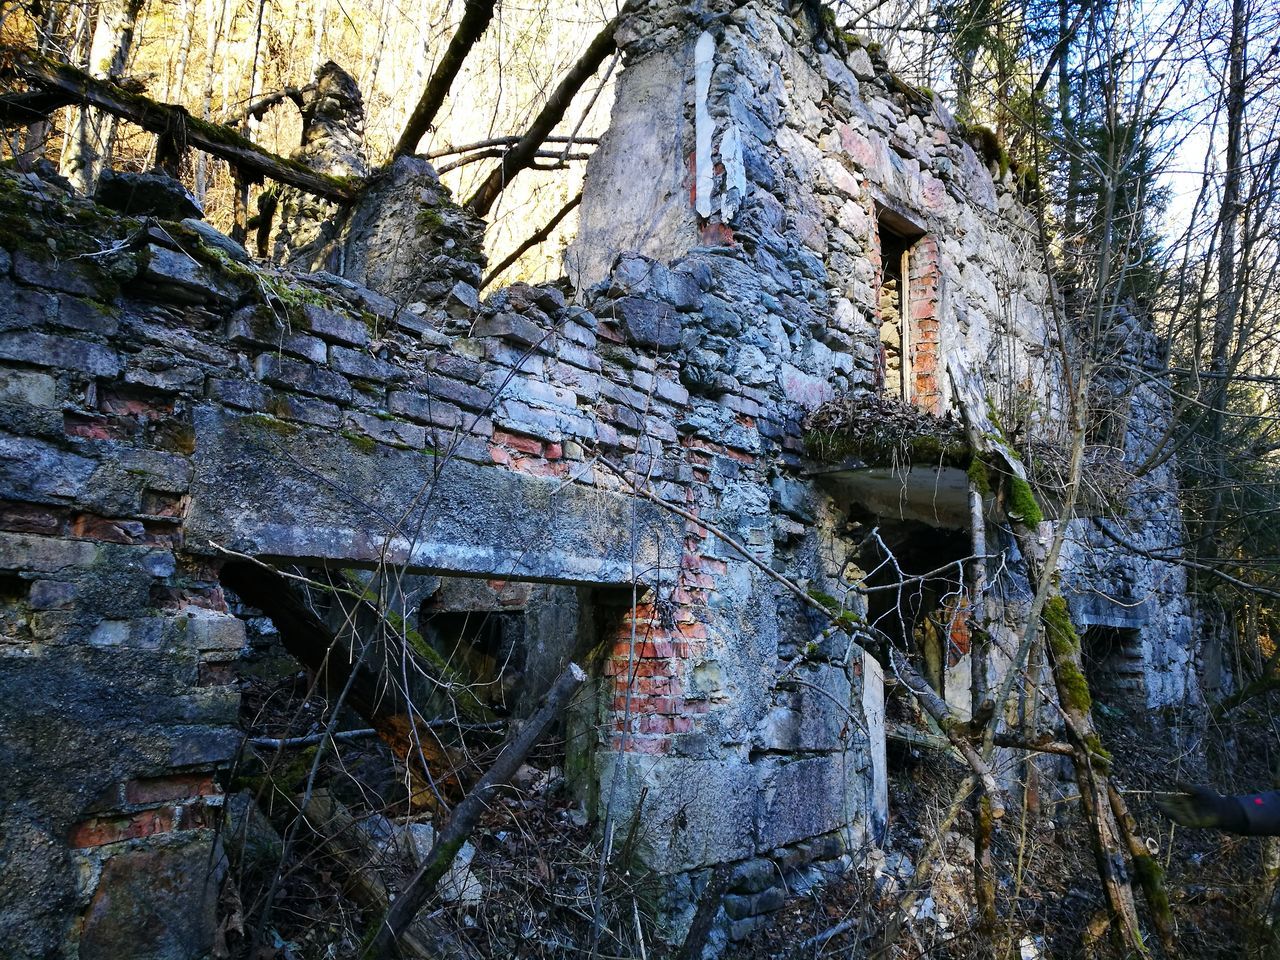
[(178, 404)]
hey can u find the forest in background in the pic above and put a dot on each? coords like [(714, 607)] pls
[(218, 58)]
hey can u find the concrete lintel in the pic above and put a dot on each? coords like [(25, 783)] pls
[(923, 492), (276, 490), (1098, 610)]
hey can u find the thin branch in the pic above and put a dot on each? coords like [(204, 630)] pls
[(537, 238), (506, 142), (258, 109), (560, 159)]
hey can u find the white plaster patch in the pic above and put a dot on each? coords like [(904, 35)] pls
[(704, 60)]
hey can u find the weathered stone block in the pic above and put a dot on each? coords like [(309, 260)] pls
[(36, 470), (186, 279), (511, 326), (860, 63), (771, 899), (149, 194), (158, 903), (203, 746), (804, 798), (334, 326), (51, 595), (88, 316), (28, 387), (304, 377), (318, 412), (357, 363), (43, 350), (20, 551), (463, 394), (634, 275), (249, 325), (217, 239), (22, 308), (171, 378), (463, 300), (648, 324), (424, 408), (244, 394), (75, 279), (386, 430), (696, 811), (208, 630), (146, 633), (812, 716)]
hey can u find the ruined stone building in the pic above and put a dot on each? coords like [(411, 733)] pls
[(764, 229)]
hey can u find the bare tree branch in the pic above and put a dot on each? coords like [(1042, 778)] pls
[(474, 23), (521, 156), (537, 238)]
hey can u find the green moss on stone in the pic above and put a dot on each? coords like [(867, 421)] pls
[(1022, 505), (979, 476), (989, 145), (265, 423), (365, 444), (429, 220)]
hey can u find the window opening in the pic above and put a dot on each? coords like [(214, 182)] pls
[(895, 335), (906, 294)]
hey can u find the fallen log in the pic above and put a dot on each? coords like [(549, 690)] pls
[(59, 85), (465, 816)]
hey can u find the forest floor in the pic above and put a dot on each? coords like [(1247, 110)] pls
[(1048, 897), (537, 861)]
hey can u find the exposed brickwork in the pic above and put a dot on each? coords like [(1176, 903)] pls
[(922, 301), (144, 823)]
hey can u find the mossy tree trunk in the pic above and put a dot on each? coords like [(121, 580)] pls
[(1091, 763)]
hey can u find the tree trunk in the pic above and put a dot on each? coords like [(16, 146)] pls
[(215, 12), (520, 156), (1228, 297), (92, 132), (255, 69)]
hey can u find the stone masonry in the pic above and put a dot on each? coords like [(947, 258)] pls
[(163, 404)]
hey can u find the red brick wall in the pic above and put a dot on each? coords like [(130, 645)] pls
[(922, 302)]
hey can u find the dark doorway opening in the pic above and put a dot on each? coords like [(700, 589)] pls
[(1113, 665)]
